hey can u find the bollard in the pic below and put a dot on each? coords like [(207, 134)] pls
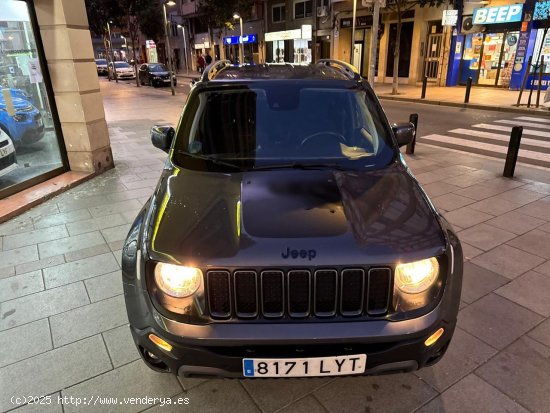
[(468, 87), (513, 150), (424, 85), (414, 120)]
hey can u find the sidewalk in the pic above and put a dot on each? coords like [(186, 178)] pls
[(487, 98), (63, 323)]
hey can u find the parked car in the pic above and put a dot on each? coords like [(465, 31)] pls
[(8, 161), (155, 74), (287, 237), (101, 65), (26, 126), (123, 70), (20, 93)]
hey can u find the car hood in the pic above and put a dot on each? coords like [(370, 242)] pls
[(292, 217)]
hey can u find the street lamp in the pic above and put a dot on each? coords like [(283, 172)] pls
[(241, 46), (184, 46), (109, 22), (168, 52)]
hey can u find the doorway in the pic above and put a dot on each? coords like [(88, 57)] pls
[(405, 48), (434, 48)]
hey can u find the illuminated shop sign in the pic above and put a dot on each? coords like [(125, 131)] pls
[(494, 15), (247, 38), (542, 10)]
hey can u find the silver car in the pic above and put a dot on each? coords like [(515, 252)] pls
[(7, 154)]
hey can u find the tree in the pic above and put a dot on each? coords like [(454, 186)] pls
[(400, 7)]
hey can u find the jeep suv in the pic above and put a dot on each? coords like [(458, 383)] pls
[(286, 236)]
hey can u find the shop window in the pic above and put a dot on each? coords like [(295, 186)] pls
[(278, 13), (30, 149), (303, 9)]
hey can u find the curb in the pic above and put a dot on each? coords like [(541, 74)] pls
[(524, 111)]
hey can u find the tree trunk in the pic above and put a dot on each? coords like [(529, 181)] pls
[(396, 53), (135, 61)]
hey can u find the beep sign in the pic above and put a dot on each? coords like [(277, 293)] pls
[(502, 14)]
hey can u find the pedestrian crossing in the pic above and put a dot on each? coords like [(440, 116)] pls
[(491, 139)]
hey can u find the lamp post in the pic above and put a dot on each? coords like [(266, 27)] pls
[(352, 54), (112, 54), (241, 46), (168, 52), (184, 47)]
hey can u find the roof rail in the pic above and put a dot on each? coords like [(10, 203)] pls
[(344, 67), (213, 69)]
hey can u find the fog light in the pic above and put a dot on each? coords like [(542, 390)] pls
[(160, 342), (434, 337)]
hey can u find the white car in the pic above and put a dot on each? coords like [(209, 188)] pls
[(123, 70), (7, 154)]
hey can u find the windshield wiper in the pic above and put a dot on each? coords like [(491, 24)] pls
[(298, 165), (209, 159)]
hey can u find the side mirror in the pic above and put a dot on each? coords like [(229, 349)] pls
[(404, 133), (162, 136)]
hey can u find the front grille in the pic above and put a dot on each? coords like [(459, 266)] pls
[(4, 143), (7, 160), (299, 293)]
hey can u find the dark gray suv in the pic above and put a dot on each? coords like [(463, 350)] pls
[(286, 236)]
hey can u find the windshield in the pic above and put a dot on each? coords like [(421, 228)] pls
[(158, 68), (284, 125), (101, 61), (121, 64)]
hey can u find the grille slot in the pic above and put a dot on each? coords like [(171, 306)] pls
[(352, 286), (325, 292), (246, 297), (272, 294), (299, 293), (7, 160), (3, 143), (378, 291), (219, 297)]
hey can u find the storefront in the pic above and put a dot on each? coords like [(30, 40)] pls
[(492, 36), (250, 47), (31, 145), (541, 50), (362, 41), (289, 46)]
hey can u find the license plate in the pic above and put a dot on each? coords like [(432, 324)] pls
[(166, 80), (3, 152), (305, 367)]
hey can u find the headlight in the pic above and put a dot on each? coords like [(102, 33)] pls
[(416, 277), (19, 117), (177, 281)]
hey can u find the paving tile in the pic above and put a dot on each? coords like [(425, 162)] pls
[(82, 202), (472, 394), (116, 245), (466, 217), (538, 209), (130, 216), (144, 183), (439, 188), (61, 218), (101, 316), (94, 224), (541, 333), (86, 253), (520, 196), (496, 320), (7, 272), (132, 194), (18, 256), (80, 270), (24, 341), (531, 290), (104, 286), (308, 404), (495, 206), (118, 256), (54, 370), (469, 251), (113, 208), (216, 396), (544, 268), (16, 226), (535, 242), (516, 222), (375, 394), (545, 227), (120, 345), (479, 191), (478, 281), (133, 380), (40, 264), (466, 180), (503, 183), (449, 202), (42, 407), (40, 305), (538, 187), (20, 285), (116, 233), (522, 371), (485, 236), (46, 208), (34, 237), (65, 245), (464, 355), (507, 261), (273, 394)]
